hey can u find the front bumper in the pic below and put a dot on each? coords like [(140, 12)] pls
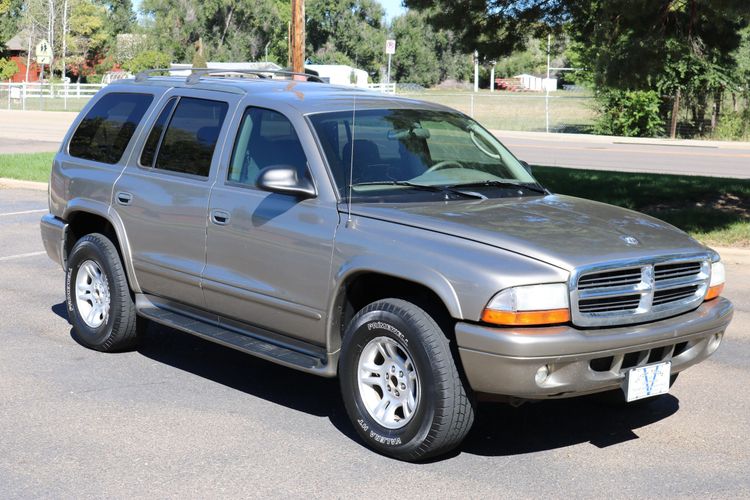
[(583, 361)]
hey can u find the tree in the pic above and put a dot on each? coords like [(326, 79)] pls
[(88, 34), (417, 58), (148, 59), (496, 28), (353, 27), (11, 12), (8, 69)]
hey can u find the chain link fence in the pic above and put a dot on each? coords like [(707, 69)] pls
[(561, 111)]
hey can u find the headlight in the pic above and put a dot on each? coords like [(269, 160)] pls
[(718, 277), (529, 305)]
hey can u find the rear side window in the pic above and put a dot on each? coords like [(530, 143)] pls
[(189, 141), (149, 150), (108, 127)]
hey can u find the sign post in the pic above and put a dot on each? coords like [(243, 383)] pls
[(390, 49)]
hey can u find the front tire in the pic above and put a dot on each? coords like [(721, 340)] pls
[(100, 306), (400, 383)]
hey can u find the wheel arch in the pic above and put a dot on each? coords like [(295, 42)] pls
[(91, 218), (358, 286)]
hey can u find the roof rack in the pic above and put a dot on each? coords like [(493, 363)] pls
[(196, 73), (143, 75)]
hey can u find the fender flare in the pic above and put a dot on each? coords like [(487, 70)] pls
[(105, 211)]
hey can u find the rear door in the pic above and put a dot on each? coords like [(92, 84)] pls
[(162, 196), (268, 255)]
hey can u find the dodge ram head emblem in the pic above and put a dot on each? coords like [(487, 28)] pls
[(630, 241)]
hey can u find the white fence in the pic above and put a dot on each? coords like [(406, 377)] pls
[(47, 96)]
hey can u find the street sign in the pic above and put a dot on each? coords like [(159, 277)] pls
[(43, 52), (390, 46)]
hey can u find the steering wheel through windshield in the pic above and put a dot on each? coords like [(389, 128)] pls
[(444, 164)]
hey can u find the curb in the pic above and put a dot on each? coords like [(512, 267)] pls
[(18, 184)]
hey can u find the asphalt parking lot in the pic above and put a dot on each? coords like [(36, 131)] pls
[(185, 418)]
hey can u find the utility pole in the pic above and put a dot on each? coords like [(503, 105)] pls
[(492, 76), (546, 86), (298, 36), (476, 70)]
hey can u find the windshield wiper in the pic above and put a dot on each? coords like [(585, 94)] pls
[(424, 187), (536, 188)]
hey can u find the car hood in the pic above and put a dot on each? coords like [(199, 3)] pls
[(561, 230)]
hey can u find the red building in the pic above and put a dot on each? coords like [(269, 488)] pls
[(17, 47)]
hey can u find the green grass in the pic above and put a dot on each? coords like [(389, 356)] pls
[(568, 111), (28, 166), (713, 210)]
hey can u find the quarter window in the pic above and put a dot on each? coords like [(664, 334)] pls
[(190, 139), (107, 128), (266, 138)]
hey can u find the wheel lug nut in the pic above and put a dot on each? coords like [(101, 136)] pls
[(403, 387), (400, 374), (389, 388), (397, 393)]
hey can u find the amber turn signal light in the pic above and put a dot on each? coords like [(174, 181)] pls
[(526, 318), (714, 292)]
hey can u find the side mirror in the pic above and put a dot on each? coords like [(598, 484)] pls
[(526, 166), (283, 179)]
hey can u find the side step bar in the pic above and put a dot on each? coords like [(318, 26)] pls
[(252, 342)]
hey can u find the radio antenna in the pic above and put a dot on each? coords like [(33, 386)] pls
[(351, 163)]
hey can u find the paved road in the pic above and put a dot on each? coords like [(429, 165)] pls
[(627, 155), (185, 418)]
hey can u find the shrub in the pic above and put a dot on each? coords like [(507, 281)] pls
[(733, 125), (630, 113)]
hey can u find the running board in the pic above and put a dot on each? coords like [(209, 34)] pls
[(250, 343)]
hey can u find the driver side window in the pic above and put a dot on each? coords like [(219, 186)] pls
[(265, 138)]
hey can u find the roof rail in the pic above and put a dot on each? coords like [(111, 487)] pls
[(196, 74), (143, 75)]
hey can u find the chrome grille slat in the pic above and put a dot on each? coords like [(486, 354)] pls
[(633, 292)]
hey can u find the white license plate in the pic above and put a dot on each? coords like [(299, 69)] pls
[(646, 381)]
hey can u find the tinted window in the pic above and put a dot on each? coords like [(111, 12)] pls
[(149, 150), (266, 138), (107, 128), (189, 142)]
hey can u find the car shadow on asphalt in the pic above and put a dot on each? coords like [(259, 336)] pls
[(499, 429)]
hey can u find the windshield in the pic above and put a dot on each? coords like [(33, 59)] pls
[(389, 151)]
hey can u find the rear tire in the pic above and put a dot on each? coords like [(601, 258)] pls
[(100, 305), (400, 383)]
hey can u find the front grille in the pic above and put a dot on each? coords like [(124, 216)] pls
[(610, 278), (623, 303), (673, 294), (638, 292)]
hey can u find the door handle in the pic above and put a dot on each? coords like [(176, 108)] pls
[(124, 198), (220, 217)]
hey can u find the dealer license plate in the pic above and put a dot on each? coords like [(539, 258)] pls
[(646, 381)]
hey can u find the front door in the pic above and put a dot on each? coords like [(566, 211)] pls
[(268, 256)]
